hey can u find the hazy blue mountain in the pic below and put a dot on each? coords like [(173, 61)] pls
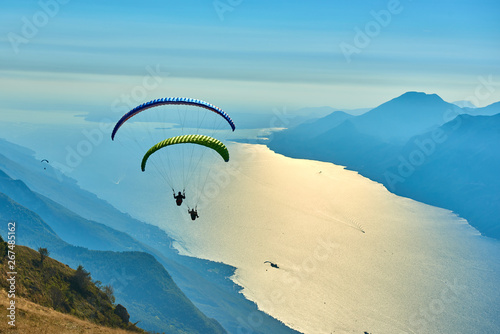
[(464, 104), (206, 283), (357, 151), (406, 116), (319, 112), (299, 139), (312, 115), (358, 111), (393, 122), (342, 144), (316, 127), (69, 226), (140, 283), (286, 118), (459, 171), (489, 110)]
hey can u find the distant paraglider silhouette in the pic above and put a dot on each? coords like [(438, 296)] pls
[(274, 265), (45, 160)]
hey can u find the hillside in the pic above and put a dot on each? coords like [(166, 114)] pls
[(459, 173), (69, 226), (489, 110), (34, 318), (52, 284), (118, 269)]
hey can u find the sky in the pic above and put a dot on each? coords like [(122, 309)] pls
[(101, 57)]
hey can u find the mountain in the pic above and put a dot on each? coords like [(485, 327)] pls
[(418, 146), (49, 283), (319, 112), (339, 141), (459, 171), (69, 226), (391, 123), (406, 116), (489, 110), (316, 127), (206, 283), (464, 104), (127, 272), (298, 140)]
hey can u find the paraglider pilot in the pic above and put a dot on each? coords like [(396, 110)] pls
[(193, 213), (179, 197)]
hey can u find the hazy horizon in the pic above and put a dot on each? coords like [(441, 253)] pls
[(70, 57)]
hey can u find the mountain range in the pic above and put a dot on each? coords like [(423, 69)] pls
[(118, 269), (59, 291)]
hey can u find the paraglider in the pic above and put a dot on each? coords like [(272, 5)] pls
[(207, 141), (46, 161), (274, 265), (173, 101), (167, 123), (193, 213), (179, 197), (202, 140)]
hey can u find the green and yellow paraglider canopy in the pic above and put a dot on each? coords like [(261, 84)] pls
[(207, 141)]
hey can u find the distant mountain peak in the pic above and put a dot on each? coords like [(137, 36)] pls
[(404, 116), (414, 93), (464, 104), (413, 96)]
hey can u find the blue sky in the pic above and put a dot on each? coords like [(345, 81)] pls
[(249, 56)]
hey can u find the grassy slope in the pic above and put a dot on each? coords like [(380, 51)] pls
[(50, 285), (34, 318), (123, 270)]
